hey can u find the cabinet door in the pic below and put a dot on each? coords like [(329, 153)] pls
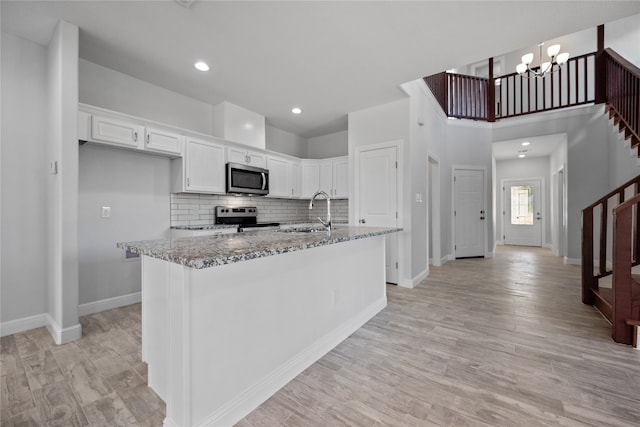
[(204, 167), (258, 160), (326, 177), (341, 178), (162, 141), (278, 185), (116, 132), (235, 155), (294, 179), (310, 178)]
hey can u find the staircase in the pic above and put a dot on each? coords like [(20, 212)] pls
[(613, 287)]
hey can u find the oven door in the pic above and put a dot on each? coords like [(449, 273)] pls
[(243, 179)]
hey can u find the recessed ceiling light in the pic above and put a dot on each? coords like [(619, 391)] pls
[(522, 155), (202, 66), (296, 110), (524, 144)]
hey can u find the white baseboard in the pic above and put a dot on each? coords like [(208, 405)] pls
[(63, 335), (548, 246), (20, 325), (71, 333), (499, 242), (420, 277), (572, 261), (109, 303), (239, 407)]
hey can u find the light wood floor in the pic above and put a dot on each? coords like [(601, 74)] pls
[(496, 342)]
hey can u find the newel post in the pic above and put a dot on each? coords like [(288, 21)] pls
[(601, 69), (491, 94)]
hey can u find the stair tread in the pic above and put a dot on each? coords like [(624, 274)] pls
[(606, 294)]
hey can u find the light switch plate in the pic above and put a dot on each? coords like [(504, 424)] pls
[(106, 212)]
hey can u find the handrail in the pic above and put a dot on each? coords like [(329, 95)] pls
[(623, 93), (589, 278), (621, 188), (625, 251)]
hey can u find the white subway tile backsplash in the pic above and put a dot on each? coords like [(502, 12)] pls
[(199, 209)]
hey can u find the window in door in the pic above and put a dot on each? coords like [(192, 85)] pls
[(522, 205)]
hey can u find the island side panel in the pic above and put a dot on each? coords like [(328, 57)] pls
[(244, 330)]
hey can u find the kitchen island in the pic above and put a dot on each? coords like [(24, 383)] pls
[(227, 320)]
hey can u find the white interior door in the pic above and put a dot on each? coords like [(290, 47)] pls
[(469, 213), (377, 196), (522, 213)]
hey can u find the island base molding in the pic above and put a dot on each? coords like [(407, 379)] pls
[(220, 341)]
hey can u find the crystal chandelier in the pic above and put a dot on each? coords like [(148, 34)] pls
[(556, 58)]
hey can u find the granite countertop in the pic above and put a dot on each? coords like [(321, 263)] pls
[(210, 251), (203, 227)]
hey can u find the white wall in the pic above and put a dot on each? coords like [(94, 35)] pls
[(110, 89), (24, 262), (624, 162), (62, 188), (379, 124), (286, 142), (533, 167), (331, 145), (623, 36), (137, 188)]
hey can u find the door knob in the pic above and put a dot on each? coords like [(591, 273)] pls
[(362, 221)]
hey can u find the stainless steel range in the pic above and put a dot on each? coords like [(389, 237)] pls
[(245, 217)]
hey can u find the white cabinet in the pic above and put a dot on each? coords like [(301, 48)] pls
[(163, 141), (246, 157), (201, 170), (284, 177), (328, 175), (111, 129), (116, 132), (341, 178), (310, 177), (237, 124)]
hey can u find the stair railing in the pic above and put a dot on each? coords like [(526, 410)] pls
[(590, 277), (625, 256), (623, 94), (459, 95)]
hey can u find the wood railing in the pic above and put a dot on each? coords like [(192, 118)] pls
[(622, 84), (460, 96), (571, 85), (595, 234), (626, 291)]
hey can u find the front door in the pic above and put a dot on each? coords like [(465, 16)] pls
[(377, 195), (469, 212), (522, 219)]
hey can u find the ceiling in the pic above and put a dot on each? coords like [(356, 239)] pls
[(539, 146), (327, 57)]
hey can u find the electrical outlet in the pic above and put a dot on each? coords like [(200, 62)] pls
[(106, 212)]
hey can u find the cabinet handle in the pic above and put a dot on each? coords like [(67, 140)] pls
[(147, 139), (135, 137), (248, 158), (188, 183)]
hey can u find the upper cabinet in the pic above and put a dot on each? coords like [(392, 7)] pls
[(163, 141), (284, 177), (105, 127), (328, 175), (246, 157), (116, 132), (236, 124), (201, 170)]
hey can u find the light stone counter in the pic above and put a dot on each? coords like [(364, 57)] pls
[(210, 251)]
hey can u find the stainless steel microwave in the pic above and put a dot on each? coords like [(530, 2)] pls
[(243, 179)]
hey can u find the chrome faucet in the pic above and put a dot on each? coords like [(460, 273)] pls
[(327, 223)]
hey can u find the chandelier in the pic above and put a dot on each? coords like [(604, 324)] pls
[(556, 58)]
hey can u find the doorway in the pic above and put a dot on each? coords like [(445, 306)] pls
[(377, 202), (522, 219), (469, 212)]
